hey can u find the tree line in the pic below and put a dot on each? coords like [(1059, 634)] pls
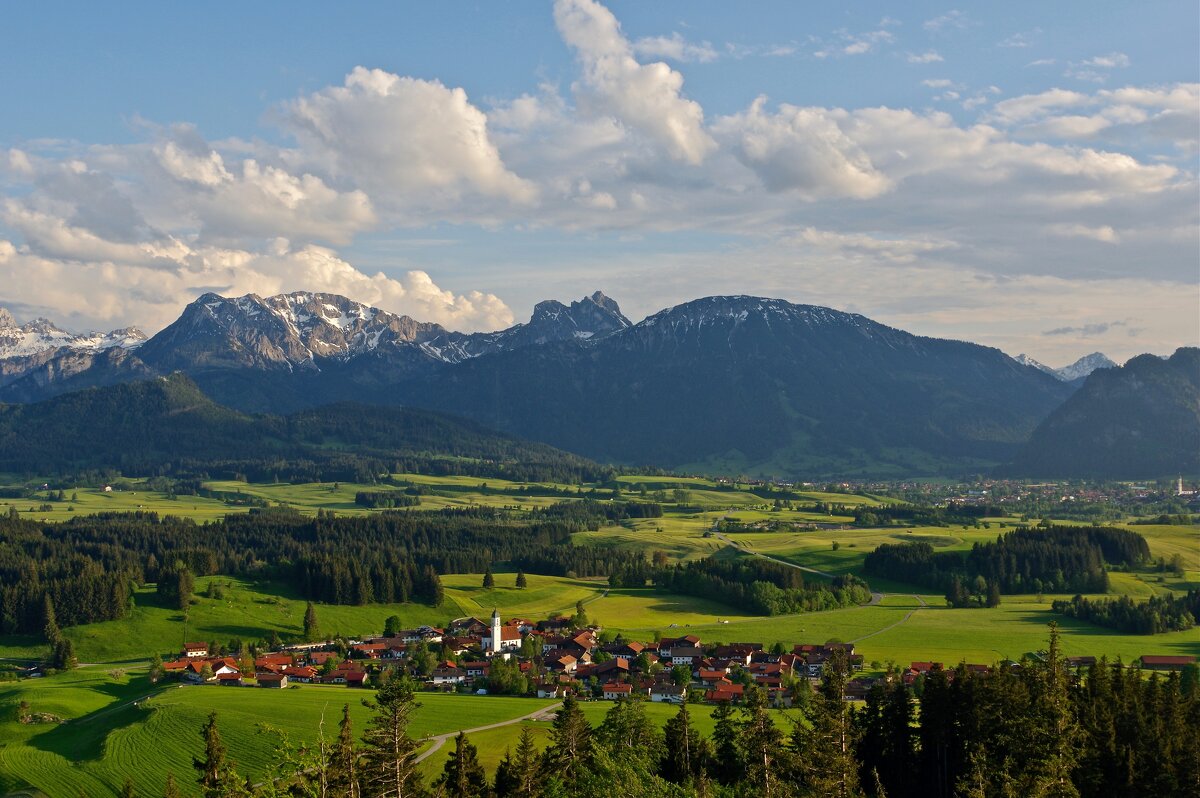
[(759, 585), (90, 566), (1053, 559), (1169, 613)]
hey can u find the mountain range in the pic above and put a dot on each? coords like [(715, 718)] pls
[(731, 384), (1140, 420)]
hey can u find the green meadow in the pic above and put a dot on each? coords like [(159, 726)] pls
[(121, 727)]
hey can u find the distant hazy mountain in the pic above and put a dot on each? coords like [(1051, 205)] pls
[(1074, 373), (730, 384), (140, 427), (1136, 421)]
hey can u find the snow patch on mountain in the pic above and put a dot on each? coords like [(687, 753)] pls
[(41, 335)]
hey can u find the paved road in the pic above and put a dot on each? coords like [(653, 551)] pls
[(440, 739)]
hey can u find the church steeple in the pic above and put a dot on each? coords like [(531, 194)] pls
[(496, 641)]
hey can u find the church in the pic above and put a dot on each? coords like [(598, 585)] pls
[(500, 637)]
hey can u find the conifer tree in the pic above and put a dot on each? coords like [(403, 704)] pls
[(171, 790), (311, 629), (826, 745), (571, 743), (388, 768), (343, 767), (50, 628), (684, 759), (761, 743), (462, 775), (521, 580), (630, 736), (489, 581), (520, 775), (217, 777), (728, 765)]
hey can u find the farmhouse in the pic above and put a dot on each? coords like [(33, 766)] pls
[(195, 649), (277, 680), (1161, 662), (615, 690)]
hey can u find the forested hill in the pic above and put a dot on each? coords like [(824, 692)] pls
[(1141, 420), (167, 425)]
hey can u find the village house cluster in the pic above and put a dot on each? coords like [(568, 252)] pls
[(558, 658)]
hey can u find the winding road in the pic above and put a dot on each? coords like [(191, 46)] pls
[(440, 739)]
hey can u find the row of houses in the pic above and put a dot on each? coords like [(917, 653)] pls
[(559, 659)]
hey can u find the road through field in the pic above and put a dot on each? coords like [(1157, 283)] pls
[(440, 739), (876, 596)]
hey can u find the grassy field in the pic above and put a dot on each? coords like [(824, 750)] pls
[(118, 727), (108, 736)]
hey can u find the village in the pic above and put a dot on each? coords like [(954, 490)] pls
[(554, 657)]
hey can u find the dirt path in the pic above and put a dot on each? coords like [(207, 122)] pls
[(440, 739), (921, 605)]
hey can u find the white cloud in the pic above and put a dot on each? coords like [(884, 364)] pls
[(1020, 40), (1104, 234), (801, 150), (675, 48), (411, 144), (927, 57), (1110, 61), (105, 285), (937, 83), (645, 97), (951, 20), (848, 43)]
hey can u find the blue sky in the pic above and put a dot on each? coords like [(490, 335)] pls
[(999, 173)]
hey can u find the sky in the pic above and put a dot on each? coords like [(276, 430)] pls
[(1021, 175)]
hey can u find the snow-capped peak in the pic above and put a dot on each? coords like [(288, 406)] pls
[(1085, 366), (41, 335)]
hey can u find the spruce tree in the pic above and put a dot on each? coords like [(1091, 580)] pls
[(683, 761), (311, 629), (389, 768), (489, 581), (827, 765), (1053, 730), (217, 777), (630, 736), (728, 765), (762, 748), (520, 775), (343, 765), (571, 743), (463, 776), (171, 790), (50, 628), (521, 580)]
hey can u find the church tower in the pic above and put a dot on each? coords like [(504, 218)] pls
[(496, 641)]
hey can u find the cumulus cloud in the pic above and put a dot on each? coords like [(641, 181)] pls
[(801, 150), (645, 97), (1104, 233), (1166, 113), (410, 143), (100, 284), (927, 57)]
